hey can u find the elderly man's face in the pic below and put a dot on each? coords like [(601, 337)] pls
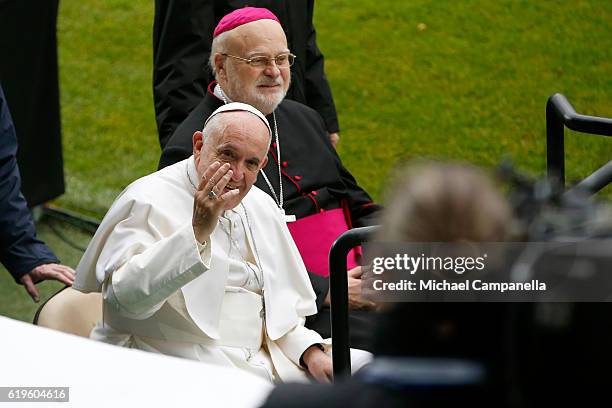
[(262, 87), (240, 139)]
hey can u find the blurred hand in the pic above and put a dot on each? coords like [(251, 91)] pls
[(356, 301), (334, 138), (61, 273), (319, 364)]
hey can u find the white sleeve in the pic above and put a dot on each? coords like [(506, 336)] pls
[(139, 287), (297, 340)]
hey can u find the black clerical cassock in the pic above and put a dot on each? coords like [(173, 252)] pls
[(28, 73)]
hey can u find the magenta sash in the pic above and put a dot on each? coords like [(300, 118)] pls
[(314, 236)]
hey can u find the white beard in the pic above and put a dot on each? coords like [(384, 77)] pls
[(266, 104)]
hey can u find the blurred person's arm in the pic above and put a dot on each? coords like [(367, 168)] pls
[(27, 258)]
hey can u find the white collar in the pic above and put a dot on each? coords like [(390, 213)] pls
[(220, 94), (192, 174)]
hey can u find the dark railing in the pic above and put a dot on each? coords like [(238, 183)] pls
[(81, 221), (560, 114), (339, 296), (596, 181)]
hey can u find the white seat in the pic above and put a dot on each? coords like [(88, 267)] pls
[(70, 311)]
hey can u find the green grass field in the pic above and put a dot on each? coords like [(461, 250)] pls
[(463, 80)]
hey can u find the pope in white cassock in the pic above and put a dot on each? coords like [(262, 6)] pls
[(193, 261)]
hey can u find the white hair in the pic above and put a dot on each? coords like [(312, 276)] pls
[(215, 126), (218, 46)]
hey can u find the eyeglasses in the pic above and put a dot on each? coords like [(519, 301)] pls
[(281, 60)]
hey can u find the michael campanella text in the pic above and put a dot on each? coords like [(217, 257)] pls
[(444, 285)]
